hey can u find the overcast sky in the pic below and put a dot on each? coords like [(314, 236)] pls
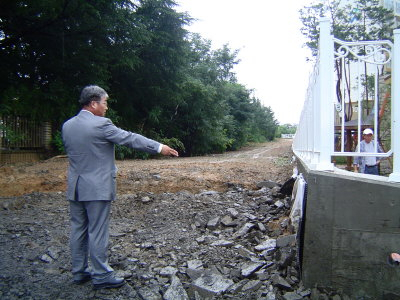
[(267, 33)]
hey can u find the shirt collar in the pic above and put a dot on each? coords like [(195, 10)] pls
[(87, 111)]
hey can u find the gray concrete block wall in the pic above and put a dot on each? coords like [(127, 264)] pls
[(351, 225)]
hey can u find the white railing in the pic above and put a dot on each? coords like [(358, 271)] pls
[(333, 91)]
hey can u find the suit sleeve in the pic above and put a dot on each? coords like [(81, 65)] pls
[(126, 138)]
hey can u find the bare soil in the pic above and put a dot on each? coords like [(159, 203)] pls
[(267, 161), (161, 219)]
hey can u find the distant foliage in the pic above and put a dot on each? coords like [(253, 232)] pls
[(163, 81), (286, 129)]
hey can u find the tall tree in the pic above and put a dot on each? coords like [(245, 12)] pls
[(162, 81), (147, 92), (200, 112), (357, 20), (48, 48)]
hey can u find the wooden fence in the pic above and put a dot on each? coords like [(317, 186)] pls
[(23, 140)]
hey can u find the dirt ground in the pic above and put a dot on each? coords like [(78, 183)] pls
[(268, 161), (169, 213)]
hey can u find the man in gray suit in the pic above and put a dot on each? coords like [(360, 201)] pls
[(89, 140)]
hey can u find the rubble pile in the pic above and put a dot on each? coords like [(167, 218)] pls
[(237, 244)]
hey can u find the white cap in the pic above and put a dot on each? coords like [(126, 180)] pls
[(368, 131)]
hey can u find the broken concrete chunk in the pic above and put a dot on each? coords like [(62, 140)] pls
[(286, 257), (168, 271), (245, 252), (233, 212), (176, 291), (262, 275), (228, 221), (280, 282), (251, 286), (237, 287), (149, 293), (222, 243), (285, 241), (195, 264), (275, 191), (267, 183), (53, 252), (261, 227), (243, 230), (266, 245), (194, 269), (250, 267), (146, 199), (46, 258), (194, 273), (267, 252), (209, 285), (292, 296), (147, 245), (205, 239), (250, 216), (213, 223)]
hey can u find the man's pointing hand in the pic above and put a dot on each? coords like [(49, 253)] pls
[(165, 150)]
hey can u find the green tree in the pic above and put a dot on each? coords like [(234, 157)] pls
[(216, 112), (148, 93), (199, 115), (286, 129), (264, 125), (163, 82), (355, 21), (48, 48), (358, 20)]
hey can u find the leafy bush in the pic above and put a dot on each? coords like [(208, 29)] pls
[(57, 142), (11, 137)]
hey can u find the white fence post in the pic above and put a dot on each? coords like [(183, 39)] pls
[(395, 176), (324, 130)]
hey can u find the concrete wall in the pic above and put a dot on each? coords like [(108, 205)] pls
[(351, 225)]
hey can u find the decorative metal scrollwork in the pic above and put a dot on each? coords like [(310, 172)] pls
[(369, 52)]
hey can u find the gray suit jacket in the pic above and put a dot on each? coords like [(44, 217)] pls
[(89, 142)]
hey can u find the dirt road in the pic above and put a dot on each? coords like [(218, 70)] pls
[(194, 174)]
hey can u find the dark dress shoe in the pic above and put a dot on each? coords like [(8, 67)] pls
[(82, 279), (113, 282)]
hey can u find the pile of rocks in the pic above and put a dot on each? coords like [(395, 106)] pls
[(241, 246), (233, 245)]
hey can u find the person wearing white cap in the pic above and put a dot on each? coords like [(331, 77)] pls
[(367, 164)]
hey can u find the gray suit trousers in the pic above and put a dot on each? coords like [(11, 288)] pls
[(90, 234)]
